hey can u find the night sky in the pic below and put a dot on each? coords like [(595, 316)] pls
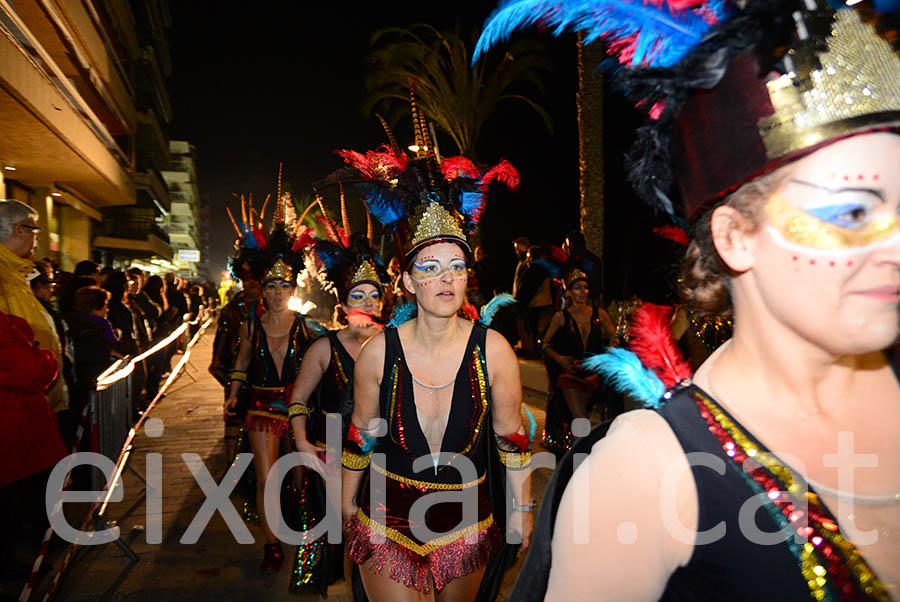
[(263, 82)]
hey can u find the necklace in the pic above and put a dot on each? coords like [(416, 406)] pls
[(882, 499), (432, 387), (278, 336)]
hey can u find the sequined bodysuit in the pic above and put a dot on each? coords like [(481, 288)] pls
[(457, 547)]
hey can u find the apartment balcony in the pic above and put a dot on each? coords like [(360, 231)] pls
[(150, 85), (51, 133), (152, 143), (133, 230), (151, 181)]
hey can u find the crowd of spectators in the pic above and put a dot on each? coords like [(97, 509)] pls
[(59, 331)]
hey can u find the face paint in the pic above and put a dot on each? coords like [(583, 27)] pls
[(843, 220), (273, 286), (430, 269), (358, 297)]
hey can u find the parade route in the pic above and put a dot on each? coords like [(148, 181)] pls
[(216, 567)]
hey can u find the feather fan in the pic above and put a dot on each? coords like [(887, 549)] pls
[(651, 340), (649, 33), (623, 371)]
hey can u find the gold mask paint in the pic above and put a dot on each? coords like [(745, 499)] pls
[(798, 228), (431, 269)]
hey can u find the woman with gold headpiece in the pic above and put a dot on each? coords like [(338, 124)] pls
[(581, 328), (449, 393), (774, 472), (356, 275), (272, 344)]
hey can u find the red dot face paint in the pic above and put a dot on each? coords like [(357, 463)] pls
[(812, 262), (795, 258), (831, 263)]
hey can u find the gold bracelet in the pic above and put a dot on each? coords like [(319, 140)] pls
[(513, 460), (298, 409), (240, 375)]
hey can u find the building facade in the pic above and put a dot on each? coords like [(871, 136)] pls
[(83, 111), (183, 218)]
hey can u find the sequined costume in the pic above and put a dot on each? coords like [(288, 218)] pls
[(319, 564), (270, 393), (461, 548), (557, 436), (225, 347), (816, 562)]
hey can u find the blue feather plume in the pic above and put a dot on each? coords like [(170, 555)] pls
[(316, 329), (625, 373), (471, 204), (384, 206), (553, 269), (532, 424), (403, 313), (491, 308), (663, 35)]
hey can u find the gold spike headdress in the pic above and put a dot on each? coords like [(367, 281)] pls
[(274, 255), (422, 199)]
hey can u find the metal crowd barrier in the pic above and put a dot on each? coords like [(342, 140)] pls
[(112, 431)]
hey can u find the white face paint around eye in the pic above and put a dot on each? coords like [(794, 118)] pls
[(429, 269)]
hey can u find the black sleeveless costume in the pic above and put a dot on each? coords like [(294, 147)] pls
[(460, 548), (821, 566), (557, 435), (270, 393)]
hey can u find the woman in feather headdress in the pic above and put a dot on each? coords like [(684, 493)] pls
[(356, 275), (573, 333), (448, 390), (780, 124), (272, 343)]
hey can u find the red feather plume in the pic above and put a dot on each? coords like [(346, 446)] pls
[(652, 341), (673, 233), (502, 172), (363, 320), (455, 167), (469, 310), (260, 237), (303, 238)]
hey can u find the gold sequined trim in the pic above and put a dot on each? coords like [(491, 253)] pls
[(426, 484), (265, 414), (298, 409), (354, 462), (514, 459), (240, 375), (431, 546), (365, 272)]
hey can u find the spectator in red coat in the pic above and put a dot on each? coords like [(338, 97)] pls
[(29, 437)]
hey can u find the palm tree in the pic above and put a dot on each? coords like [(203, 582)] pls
[(589, 100), (456, 96)]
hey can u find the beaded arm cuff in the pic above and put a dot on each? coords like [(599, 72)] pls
[(240, 375), (298, 409), (514, 449), (352, 461), (357, 449), (514, 461)]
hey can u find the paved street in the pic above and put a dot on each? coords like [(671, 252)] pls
[(216, 567)]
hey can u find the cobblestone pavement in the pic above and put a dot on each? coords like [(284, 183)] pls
[(216, 568)]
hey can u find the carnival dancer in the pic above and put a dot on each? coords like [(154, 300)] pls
[(356, 275), (782, 123), (449, 391), (272, 345), (580, 329), (225, 347)]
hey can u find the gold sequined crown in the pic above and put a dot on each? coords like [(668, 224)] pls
[(279, 271), (574, 276), (853, 83), (432, 222), (364, 272), (838, 78)]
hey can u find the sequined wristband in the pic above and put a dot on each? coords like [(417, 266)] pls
[(298, 409)]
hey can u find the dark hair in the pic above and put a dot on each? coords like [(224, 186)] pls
[(116, 283), (705, 279), (153, 287), (90, 298), (86, 268)]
